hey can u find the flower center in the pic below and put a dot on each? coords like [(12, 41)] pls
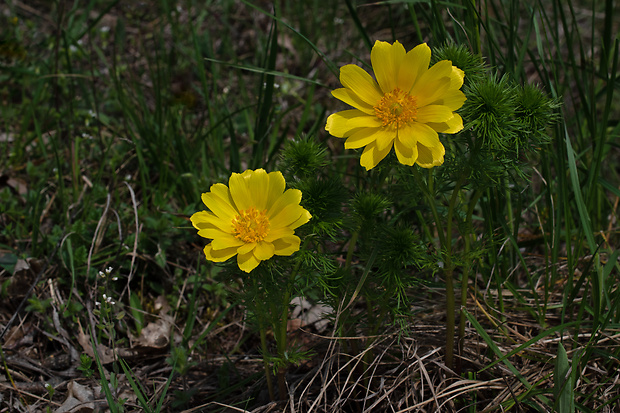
[(396, 108), (251, 225)]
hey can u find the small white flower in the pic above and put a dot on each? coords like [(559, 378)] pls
[(104, 29), (108, 270), (101, 274), (108, 299), (440, 264)]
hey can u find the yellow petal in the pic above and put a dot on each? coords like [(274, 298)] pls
[(277, 233), (342, 124), (246, 248), (437, 71), (247, 262), (453, 125), (258, 185), (225, 241), (452, 98), (305, 217), (372, 156), (264, 251), (433, 113), (430, 157), (276, 188), (240, 191), (405, 155), (286, 245), (206, 219), (352, 99), (433, 83), (212, 233), (286, 216), (220, 202), (219, 255), (291, 196), (361, 83), (456, 78), (418, 133), (384, 138), (415, 63), (361, 138), (364, 121), (386, 60)]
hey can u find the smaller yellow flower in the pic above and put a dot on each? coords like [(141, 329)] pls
[(405, 107), (253, 218)]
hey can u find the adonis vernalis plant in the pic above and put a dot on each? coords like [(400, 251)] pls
[(253, 218), (406, 107)]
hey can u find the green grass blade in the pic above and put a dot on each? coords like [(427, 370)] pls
[(105, 384), (136, 387), (358, 24), (563, 383), (330, 65), (493, 346), (584, 217), (266, 72)]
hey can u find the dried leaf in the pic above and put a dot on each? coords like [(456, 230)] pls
[(106, 354), (157, 334), (79, 399)]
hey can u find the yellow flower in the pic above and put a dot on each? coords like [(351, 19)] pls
[(405, 107), (253, 218)]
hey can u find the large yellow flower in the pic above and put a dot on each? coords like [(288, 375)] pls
[(253, 218), (405, 107)]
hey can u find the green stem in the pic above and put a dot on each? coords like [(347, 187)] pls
[(465, 278), (351, 249), (445, 240), (449, 274), (263, 344), (450, 317), (260, 312), (428, 193), (281, 329)]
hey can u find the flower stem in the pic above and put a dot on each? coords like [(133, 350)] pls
[(465, 277), (281, 329), (449, 274), (263, 344), (445, 240)]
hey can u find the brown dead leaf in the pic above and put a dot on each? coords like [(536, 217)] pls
[(157, 334), (19, 336), (305, 313), (106, 354), (79, 399), (24, 274)]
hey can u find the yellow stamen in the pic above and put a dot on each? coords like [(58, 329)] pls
[(251, 225), (396, 108)]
